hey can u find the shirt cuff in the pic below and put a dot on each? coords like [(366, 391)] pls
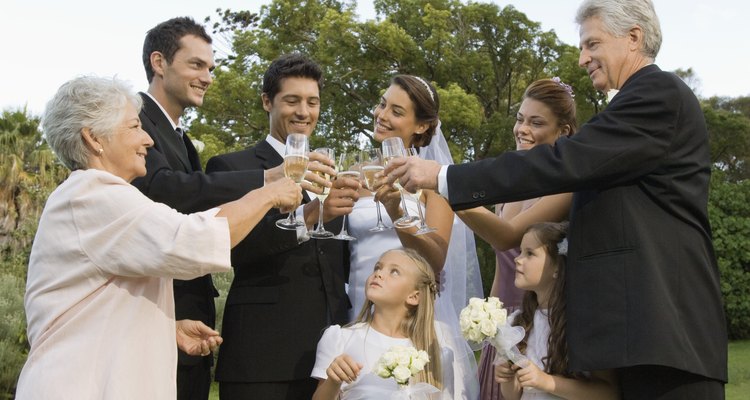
[(302, 235), (443, 181)]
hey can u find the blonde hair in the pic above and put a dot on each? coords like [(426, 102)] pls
[(419, 324)]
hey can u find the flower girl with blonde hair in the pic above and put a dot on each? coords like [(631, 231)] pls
[(398, 311)]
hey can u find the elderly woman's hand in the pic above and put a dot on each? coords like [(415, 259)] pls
[(286, 195), (196, 338)]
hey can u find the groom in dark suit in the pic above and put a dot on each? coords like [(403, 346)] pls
[(287, 288), (642, 284), (178, 59)]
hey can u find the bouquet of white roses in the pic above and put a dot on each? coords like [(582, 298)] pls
[(487, 320), (401, 363), (481, 318)]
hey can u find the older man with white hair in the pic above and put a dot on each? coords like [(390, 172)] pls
[(643, 283)]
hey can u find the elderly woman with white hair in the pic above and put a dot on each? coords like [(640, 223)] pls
[(99, 301)]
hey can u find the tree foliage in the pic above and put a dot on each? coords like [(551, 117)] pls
[(730, 220), (480, 56), (28, 174)]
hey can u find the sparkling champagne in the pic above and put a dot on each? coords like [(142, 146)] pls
[(349, 174), (386, 160), (295, 167), (322, 197), (370, 171)]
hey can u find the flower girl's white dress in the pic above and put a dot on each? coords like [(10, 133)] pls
[(536, 349), (365, 345)]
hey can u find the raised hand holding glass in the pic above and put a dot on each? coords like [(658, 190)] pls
[(295, 167), (393, 147), (372, 164), (423, 228), (348, 167), (320, 232)]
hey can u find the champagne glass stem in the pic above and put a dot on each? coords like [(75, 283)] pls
[(320, 217), (422, 223), (380, 216), (403, 204), (343, 227)]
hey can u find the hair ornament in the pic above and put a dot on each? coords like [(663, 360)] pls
[(433, 287), (422, 81), (562, 247), (564, 85)]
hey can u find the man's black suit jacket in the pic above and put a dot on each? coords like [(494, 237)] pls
[(174, 177), (642, 278), (284, 293)]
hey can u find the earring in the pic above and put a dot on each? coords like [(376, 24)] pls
[(554, 275), (100, 151)]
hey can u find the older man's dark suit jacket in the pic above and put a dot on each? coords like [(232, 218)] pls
[(174, 177), (283, 295), (642, 278)]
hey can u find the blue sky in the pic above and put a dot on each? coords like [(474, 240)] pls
[(47, 42)]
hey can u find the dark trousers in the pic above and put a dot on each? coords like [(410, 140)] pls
[(194, 381), (652, 382), (302, 389)]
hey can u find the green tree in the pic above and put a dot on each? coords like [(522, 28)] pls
[(730, 221), (28, 174), (729, 133), (489, 53)]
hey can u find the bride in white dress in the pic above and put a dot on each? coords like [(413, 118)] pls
[(409, 110)]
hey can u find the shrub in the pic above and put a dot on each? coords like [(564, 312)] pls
[(730, 220)]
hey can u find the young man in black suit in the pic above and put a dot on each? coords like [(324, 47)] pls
[(178, 58), (642, 283), (286, 288)]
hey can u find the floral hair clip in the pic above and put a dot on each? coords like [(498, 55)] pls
[(562, 247), (564, 85)]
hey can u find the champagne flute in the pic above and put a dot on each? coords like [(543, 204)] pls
[(423, 228), (347, 167), (393, 147), (320, 232), (295, 167), (372, 164)]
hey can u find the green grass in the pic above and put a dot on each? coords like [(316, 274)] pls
[(739, 370), (739, 373)]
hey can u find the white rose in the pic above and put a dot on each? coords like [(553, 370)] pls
[(418, 363), (475, 336), (488, 328), (464, 321), (403, 359), (389, 359), (476, 302), (199, 146), (401, 374), (382, 371), (494, 303), (478, 315)]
